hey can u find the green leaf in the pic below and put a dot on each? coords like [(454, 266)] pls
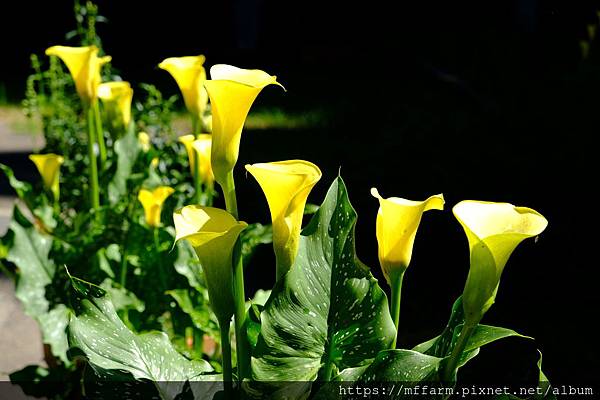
[(196, 306), (121, 298), (407, 366), (29, 252), (23, 189), (112, 348), (127, 149), (53, 326), (328, 312), (440, 346)]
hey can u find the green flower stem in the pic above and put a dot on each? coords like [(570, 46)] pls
[(241, 340), (229, 193), (161, 272), (226, 354), (124, 265), (100, 135), (197, 181), (452, 364), (93, 183), (396, 297)]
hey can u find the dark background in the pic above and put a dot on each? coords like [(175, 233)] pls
[(479, 100)]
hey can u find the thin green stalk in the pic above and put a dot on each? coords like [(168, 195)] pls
[(241, 340), (197, 180), (100, 135), (395, 305), (124, 266), (226, 361), (94, 192), (229, 194), (452, 364), (196, 128), (161, 271)]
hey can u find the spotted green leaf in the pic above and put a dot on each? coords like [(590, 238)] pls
[(111, 348), (327, 313)]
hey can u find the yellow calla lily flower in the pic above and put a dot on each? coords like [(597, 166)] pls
[(232, 91), (190, 75), (212, 232), (286, 185), (396, 228), (152, 202), (493, 230), (48, 165), (187, 141), (117, 97), (84, 65), (144, 141), (202, 147)]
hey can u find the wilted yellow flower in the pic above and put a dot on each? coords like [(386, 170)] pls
[(232, 91), (144, 141), (212, 232), (396, 228), (286, 185), (494, 230), (190, 75), (152, 201), (48, 166), (84, 65), (116, 97)]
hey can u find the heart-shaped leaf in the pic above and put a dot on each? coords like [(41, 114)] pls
[(327, 313)]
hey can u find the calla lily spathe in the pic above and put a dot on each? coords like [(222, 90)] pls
[(232, 91), (493, 230), (84, 65), (212, 232), (117, 97), (190, 75), (396, 228), (199, 148), (286, 185), (152, 201), (48, 165), (202, 147)]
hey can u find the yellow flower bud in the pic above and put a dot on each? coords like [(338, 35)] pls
[(199, 148), (152, 201), (397, 223), (286, 185), (116, 97), (190, 75), (144, 141), (84, 65), (232, 91), (48, 166), (493, 230), (212, 232)]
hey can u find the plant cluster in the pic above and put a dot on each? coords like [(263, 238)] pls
[(134, 276)]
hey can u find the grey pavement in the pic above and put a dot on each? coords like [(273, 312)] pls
[(20, 338)]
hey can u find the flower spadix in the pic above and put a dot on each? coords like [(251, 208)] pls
[(48, 165), (190, 75), (152, 201), (212, 232), (493, 230), (232, 91), (396, 227), (286, 185), (116, 97), (84, 65)]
